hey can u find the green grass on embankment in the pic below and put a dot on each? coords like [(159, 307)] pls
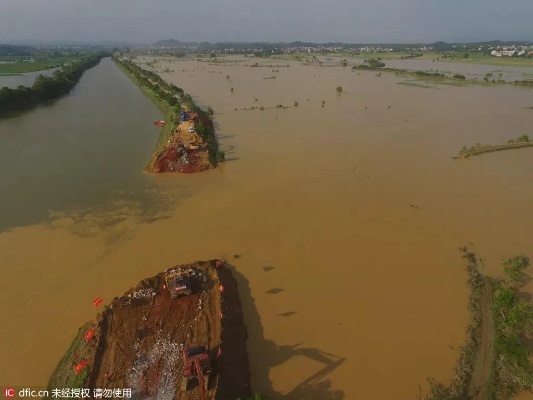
[(494, 362), (64, 375), (46, 88), (20, 67)]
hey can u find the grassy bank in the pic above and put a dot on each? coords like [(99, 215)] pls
[(63, 375), (46, 88), (21, 65), (494, 362), (170, 99), (478, 148)]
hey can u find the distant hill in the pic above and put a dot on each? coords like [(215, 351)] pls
[(173, 43), (206, 46)]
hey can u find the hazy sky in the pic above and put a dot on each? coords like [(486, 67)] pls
[(147, 21)]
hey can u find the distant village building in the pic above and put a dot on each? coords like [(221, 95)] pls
[(510, 51)]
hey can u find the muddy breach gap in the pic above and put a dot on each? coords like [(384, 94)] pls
[(187, 142), (178, 335)]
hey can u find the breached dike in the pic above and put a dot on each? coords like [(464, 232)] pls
[(138, 344), (185, 145)]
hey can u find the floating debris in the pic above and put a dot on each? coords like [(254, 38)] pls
[(143, 294)]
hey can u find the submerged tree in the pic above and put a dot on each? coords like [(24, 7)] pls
[(339, 89)]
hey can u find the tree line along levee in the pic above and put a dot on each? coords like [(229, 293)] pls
[(46, 88)]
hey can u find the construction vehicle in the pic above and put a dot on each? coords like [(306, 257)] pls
[(188, 116), (194, 145), (178, 284), (196, 365)]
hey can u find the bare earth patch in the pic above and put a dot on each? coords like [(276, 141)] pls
[(139, 339)]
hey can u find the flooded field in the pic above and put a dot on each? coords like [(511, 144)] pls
[(471, 71), (348, 291)]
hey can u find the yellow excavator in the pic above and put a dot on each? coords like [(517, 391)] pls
[(194, 145)]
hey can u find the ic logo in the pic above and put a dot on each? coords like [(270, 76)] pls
[(10, 392)]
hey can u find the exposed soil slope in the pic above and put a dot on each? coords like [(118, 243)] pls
[(176, 155)]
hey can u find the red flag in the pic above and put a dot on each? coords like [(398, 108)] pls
[(80, 366), (96, 302), (89, 335)]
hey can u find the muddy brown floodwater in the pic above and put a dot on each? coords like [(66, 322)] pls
[(348, 291)]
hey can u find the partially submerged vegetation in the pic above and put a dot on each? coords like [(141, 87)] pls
[(46, 88), (438, 77), (494, 363), (478, 148), (171, 99), (370, 64), (262, 108)]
